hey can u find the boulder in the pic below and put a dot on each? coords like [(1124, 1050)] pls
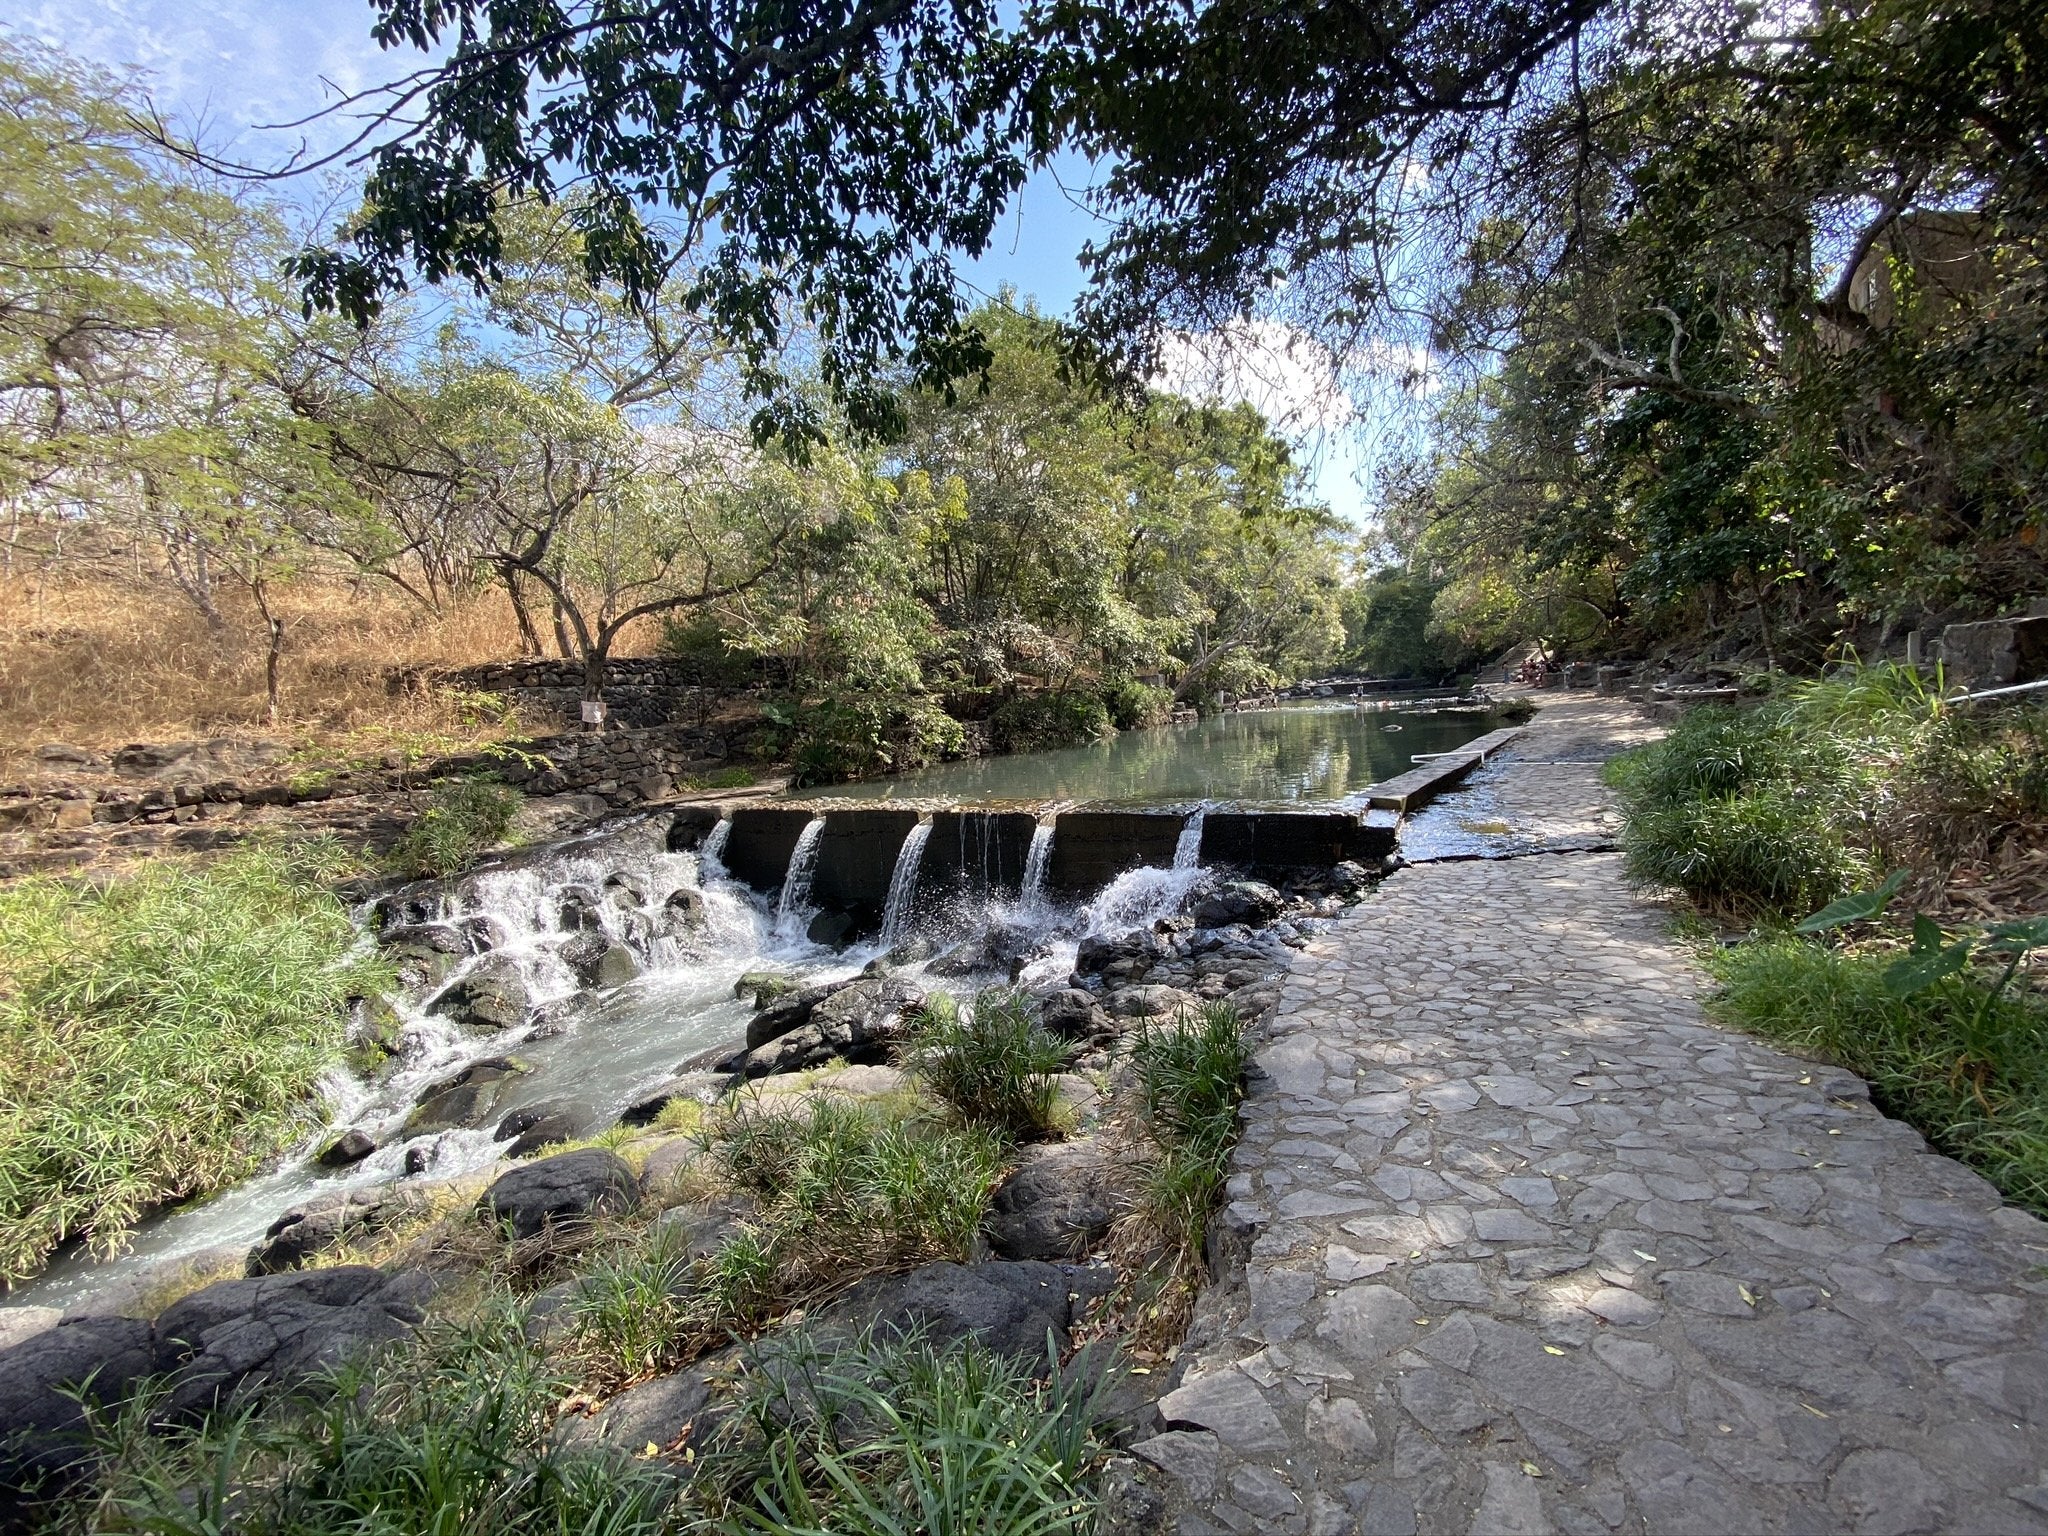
[(683, 912), (1149, 1002), (424, 954), (700, 1230), (583, 951), (1054, 1205), (467, 1099), (764, 987), (859, 1022), (19, 1323), (704, 1087), (670, 1413), (350, 1147), (1010, 1307), (1125, 957), (830, 929), (324, 1222), (534, 1126), (617, 966), (277, 1332), (1074, 1014), (560, 1191), (43, 1433), (492, 995), (1350, 877), (787, 1011), (1251, 902)]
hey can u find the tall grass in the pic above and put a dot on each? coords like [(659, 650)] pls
[(160, 1036), (886, 1437), (464, 817), (448, 1435), (1190, 1077), (1973, 1080), (992, 1062)]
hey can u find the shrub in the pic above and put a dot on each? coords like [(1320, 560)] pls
[(160, 1037), (885, 1435), (466, 817), (1034, 722), (1190, 1079), (854, 735), (725, 778), (993, 1062), (1977, 1091), (447, 1434), (1134, 705), (629, 1307)]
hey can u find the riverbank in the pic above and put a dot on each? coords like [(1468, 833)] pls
[(1524, 1241)]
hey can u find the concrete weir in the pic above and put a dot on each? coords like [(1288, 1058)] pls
[(762, 838), (856, 857), (976, 854), (1091, 848), (1274, 842)]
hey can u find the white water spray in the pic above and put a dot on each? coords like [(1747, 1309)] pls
[(793, 911), (1036, 858), (711, 852), (1187, 850), (903, 883)]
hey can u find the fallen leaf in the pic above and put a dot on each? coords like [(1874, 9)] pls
[(1532, 1469), (1552, 1349)]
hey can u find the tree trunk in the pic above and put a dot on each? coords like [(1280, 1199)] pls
[(529, 637), (270, 666), (594, 661), (565, 643)]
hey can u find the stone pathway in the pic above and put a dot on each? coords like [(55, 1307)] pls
[(1534, 1246)]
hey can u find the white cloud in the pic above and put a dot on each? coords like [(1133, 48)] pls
[(1292, 379)]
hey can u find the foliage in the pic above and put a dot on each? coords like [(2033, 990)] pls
[(1191, 1077), (882, 1435), (1133, 705), (993, 1061), (1966, 1066), (1032, 722), (449, 1433), (465, 817), (161, 1035), (629, 1307), (855, 735), (1390, 629)]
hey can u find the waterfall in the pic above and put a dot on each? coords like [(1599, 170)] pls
[(1035, 859), (903, 883), (796, 885), (1187, 850), (711, 852)]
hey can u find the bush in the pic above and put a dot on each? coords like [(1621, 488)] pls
[(450, 1433), (725, 778), (466, 817), (1977, 1093), (1133, 705), (993, 1062), (161, 1037), (856, 735), (1190, 1079), (883, 1436), (1035, 722)]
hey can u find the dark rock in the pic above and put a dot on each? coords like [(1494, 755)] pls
[(858, 1022), (1350, 876), (1054, 1205), (690, 825), (1148, 1002), (494, 995), (279, 1331), (561, 1190), (467, 1099), (617, 966), (542, 1125), (63, 755), (684, 911), (830, 929), (44, 1438), (704, 1087), (418, 1160), (351, 1146), (319, 1224), (764, 987), (578, 911), (671, 1413), (1074, 1014), (1241, 901), (790, 1010), (1123, 958), (1010, 1307)]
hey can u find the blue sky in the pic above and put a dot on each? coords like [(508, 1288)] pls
[(233, 66)]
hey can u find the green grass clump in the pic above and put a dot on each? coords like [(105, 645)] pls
[(464, 819), (161, 1036), (1190, 1077), (884, 1437), (993, 1062), (449, 1434), (1972, 1080), (848, 1186), (725, 778), (630, 1307)]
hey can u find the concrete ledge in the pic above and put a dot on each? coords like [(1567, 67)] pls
[(856, 859), (1275, 842), (757, 849), (975, 854), (1423, 783), (1091, 848)]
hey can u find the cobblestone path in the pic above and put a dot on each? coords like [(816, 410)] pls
[(1534, 1246)]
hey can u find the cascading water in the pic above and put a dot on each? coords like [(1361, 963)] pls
[(792, 912), (1036, 858), (1135, 898), (711, 852), (903, 884), (1187, 849)]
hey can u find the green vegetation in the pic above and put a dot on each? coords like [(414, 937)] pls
[(160, 1036), (1191, 1077), (630, 1306), (993, 1062), (855, 735), (882, 1437), (466, 817), (1966, 1068), (1034, 721)]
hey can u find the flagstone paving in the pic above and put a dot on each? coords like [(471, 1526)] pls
[(1534, 1246)]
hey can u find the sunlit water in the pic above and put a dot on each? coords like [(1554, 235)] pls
[(1262, 757)]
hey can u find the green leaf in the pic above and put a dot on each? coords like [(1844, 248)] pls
[(2016, 938), (1859, 907), (1921, 968)]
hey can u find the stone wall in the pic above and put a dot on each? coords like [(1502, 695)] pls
[(639, 691)]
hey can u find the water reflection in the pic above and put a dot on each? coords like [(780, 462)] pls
[(1320, 753)]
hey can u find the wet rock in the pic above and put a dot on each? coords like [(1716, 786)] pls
[(278, 1331), (578, 910), (1149, 1002), (788, 1011), (690, 825), (1054, 1205), (830, 929), (467, 1099), (764, 987), (704, 1087), (350, 1147), (1251, 902), (1010, 1307), (542, 1125), (858, 1022), (583, 953), (424, 954), (1074, 1014), (319, 1224), (561, 1190), (43, 1433), (1350, 877), (1123, 958), (494, 995), (683, 912)]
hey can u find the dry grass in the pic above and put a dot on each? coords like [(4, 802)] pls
[(101, 663)]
